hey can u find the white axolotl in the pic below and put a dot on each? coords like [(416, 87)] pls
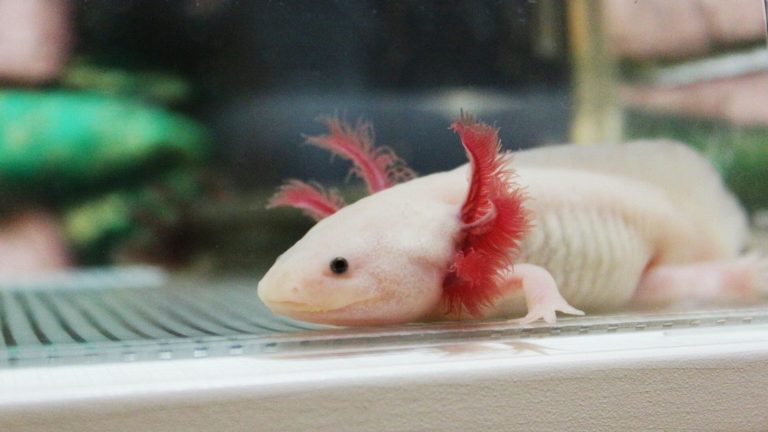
[(562, 228)]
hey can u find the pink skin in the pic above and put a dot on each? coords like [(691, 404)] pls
[(395, 274), (648, 222), (31, 242), (541, 294), (727, 280)]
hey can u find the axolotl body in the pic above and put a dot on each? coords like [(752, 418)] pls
[(566, 228)]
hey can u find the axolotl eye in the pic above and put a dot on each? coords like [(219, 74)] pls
[(339, 265)]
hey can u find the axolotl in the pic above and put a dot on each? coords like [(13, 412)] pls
[(565, 228)]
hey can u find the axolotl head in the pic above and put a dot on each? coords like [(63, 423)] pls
[(380, 260), (410, 251)]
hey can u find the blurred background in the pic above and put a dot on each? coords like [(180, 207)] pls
[(153, 131)]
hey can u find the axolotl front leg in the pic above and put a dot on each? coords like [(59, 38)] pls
[(542, 297)]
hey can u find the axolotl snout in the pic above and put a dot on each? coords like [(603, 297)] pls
[(562, 228)]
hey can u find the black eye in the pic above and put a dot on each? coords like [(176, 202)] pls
[(339, 265)]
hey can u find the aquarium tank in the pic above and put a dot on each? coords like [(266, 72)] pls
[(141, 142), (394, 215)]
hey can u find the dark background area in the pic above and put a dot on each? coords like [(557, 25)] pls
[(264, 70)]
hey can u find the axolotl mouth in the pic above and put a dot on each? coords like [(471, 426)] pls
[(292, 306), (287, 307), (361, 311), (352, 310), (282, 300), (354, 314)]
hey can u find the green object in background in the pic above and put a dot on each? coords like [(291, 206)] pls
[(117, 168), (145, 214), (739, 153), (160, 87), (68, 143)]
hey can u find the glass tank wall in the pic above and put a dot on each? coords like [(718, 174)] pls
[(141, 140)]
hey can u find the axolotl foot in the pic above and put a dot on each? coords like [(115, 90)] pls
[(542, 297)]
